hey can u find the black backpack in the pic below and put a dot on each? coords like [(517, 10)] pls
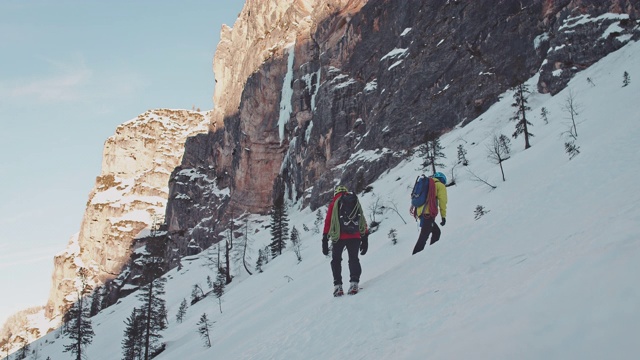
[(349, 213)]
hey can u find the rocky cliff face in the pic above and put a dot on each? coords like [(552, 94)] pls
[(129, 195), (314, 93), (311, 93)]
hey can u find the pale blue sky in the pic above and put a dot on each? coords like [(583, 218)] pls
[(70, 72)]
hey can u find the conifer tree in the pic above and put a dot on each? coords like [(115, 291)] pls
[(462, 155), (431, 150), (319, 222), (154, 315), (279, 226), (626, 80), (259, 261), (393, 236), (132, 344), (182, 310), (24, 350), (95, 301), (544, 114), (295, 242), (79, 328), (522, 124), (154, 312), (218, 287), (203, 328)]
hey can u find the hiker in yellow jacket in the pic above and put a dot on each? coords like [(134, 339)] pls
[(428, 212)]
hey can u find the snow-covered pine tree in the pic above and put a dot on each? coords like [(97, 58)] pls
[(259, 261), (319, 222), (393, 236), (522, 124), (203, 328), (132, 344), (626, 79), (218, 287), (544, 114), (182, 310), (153, 305), (462, 155), (279, 226), (431, 151), (79, 328), (295, 242)]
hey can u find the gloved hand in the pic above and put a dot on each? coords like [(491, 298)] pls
[(444, 221), (325, 244), (364, 245)]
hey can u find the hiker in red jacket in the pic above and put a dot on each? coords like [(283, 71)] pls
[(437, 197), (346, 226)]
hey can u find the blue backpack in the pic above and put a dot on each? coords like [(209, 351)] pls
[(420, 190)]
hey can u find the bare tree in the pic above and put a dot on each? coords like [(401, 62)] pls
[(572, 108), (394, 208), (228, 246), (498, 151), (245, 255), (477, 178), (375, 208)]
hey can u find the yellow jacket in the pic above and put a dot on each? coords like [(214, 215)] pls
[(441, 198)]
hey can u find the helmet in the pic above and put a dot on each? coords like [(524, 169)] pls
[(339, 189), (440, 176)]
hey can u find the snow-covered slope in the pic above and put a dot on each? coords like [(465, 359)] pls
[(551, 271)]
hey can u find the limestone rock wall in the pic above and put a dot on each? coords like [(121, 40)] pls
[(129, 195)]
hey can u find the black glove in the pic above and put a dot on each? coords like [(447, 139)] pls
[(444, 221), (364, 245), (325, 245)]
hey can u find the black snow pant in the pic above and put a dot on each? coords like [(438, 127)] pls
[(428, 226), (353, 246)]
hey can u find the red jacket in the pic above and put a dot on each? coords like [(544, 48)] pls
[(327, 221)]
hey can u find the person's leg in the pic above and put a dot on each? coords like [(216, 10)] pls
[(424, 235), (435, 229), (336, 261), (353, 246)]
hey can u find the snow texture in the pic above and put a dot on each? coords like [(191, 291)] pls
[(287, 93), (550, 272)]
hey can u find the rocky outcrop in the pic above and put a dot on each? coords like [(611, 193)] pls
[(129, 196), (314, 93), (583, 32), (311, 93)]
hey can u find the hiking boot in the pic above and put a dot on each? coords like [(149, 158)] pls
[(353, 288), (337, 290)]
